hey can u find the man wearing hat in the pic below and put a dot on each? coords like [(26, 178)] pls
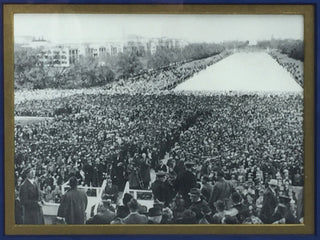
[(30, 199), (73, 204), (161, 188), (154, 216), (157, 186), (186, 181), (198, 205), (134, 217), (188, 217), (239, 209), (283, 213), (270, 202)]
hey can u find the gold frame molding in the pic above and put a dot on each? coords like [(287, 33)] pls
[(306, 10)]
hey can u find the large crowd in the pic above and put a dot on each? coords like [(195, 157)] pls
[(294, 67), (217, 159), (167, 77), (148, 81)]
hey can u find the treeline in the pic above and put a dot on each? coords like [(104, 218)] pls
[(290, 47), (30, 73), (195, 51)]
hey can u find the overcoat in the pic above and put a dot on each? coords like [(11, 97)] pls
[(135, 218), (200, 208), (73, 207), (29, 199), (222, 190), (185, 182), (269, 204)]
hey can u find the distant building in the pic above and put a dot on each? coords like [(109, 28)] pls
[(55, 57), (136, 47), (64, 55), (92, 50), (73, 55), (164, 43)]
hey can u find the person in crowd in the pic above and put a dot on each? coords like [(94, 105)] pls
[(104, 215), (188, 217), (118, 176), (162, 189), (145, 171), (198, 205), (167, 216), (259, 201), (162, 167), (98, 171), (220, 212), (30, 198), (222, 190), (238, 209), (283, 212), (134, 217), (121, 214), (135, 179), (48, 194), (270, 202), (143, 210), (283, 215), (229, 220), (89, 173), (186, 181), (73, 204), (252, 218), (111, 192), (154, 216), (18, 211), (206, 188)]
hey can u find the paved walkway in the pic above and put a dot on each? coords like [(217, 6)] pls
[(243, 72)]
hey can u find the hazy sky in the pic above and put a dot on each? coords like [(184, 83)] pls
[(193, 28)]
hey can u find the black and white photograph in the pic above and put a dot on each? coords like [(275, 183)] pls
[(158, 119)]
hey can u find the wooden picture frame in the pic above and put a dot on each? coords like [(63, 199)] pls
[(311, 189)]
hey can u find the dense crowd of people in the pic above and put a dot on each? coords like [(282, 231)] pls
[(168, 77), (150, 81), (217, 159), (294, 67)]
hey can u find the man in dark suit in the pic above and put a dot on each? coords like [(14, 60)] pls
[(30, 199), (186, 181), (118, 175), (198, 205), (145, 171), (73, 204), (134, 217), (222, 190), (270, 202), (89, 173), (162, 189)]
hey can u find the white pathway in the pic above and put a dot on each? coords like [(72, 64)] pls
[(243, 72)]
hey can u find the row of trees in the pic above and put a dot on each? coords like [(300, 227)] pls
[(31, 73), (193, 51), (290, 47)]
